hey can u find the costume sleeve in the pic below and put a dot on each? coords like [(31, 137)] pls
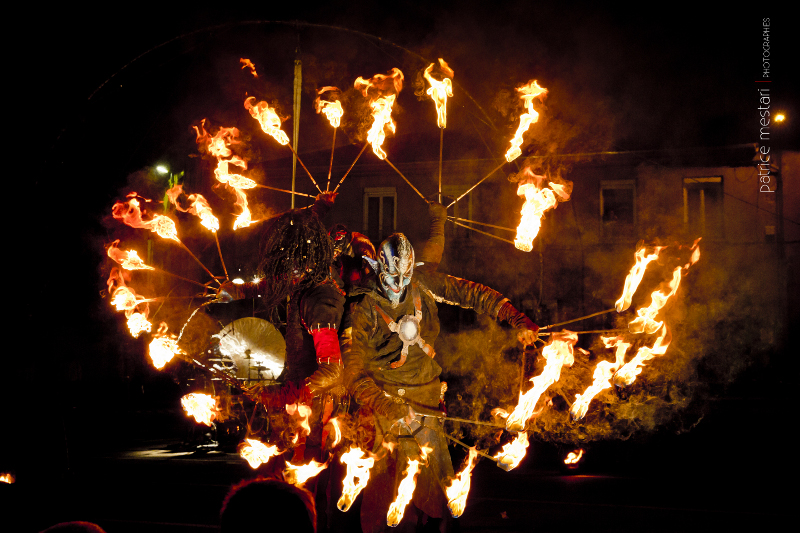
[(461, 292), (356, 352), (321, 311)]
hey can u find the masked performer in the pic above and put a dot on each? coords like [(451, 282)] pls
[(390, 368)]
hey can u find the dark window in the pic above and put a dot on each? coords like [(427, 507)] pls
[(380, 215), (618, 202), (702, 206)]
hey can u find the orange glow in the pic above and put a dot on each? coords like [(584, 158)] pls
[(573, 458), (199, 207), (130, 214), (268, 119), (246, 63), (301, 414), (557, 354), (219, 146), (128, 260), (528, 93), (404, 493), (163, 347), (646, 322), (332, 110), (509, 457), (635, 276), (202, 407), (297, 475), (123, 298), (138, 324), (381, 90), (257, 453), (357, 477), (603, 373), (627, 374), (7, 478), (334, 425), (459, 488), (440, 90)]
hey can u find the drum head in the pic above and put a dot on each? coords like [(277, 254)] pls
[(255, 346)]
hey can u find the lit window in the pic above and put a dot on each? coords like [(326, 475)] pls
[(702, 206), (380, 213)]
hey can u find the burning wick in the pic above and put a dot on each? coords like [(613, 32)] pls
[(203, 407), (257, 453), (528, 93), (573, 458), (357, 477)]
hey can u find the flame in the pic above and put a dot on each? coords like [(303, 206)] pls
[(268, 119), (163, 347), (297, 475), (337, 431), (128, 260), (459, 489), (538, 199), (219, 146), (246, 63), (384, 89), (646, 322), (257, 453), (573, 458), (199, 207), (332, 110), (603, 373), (357, 477), (202, 407), (528, 93), (302, 413), (627, 374), (512, 453), (557, 354), (7, 478), (123, 298), (635, 276), (404, 493), (440, 90), (130, 214), (138, 324)]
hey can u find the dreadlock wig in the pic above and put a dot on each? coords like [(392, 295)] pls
[(296, 246)]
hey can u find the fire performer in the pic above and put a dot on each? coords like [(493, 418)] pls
[(295, 264), (390, 327)]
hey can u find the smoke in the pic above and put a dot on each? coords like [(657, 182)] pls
[(716, 336)]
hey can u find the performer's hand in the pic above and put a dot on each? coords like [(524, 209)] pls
[(527, 331), (328, 197), (527, 336), (228, 292)]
